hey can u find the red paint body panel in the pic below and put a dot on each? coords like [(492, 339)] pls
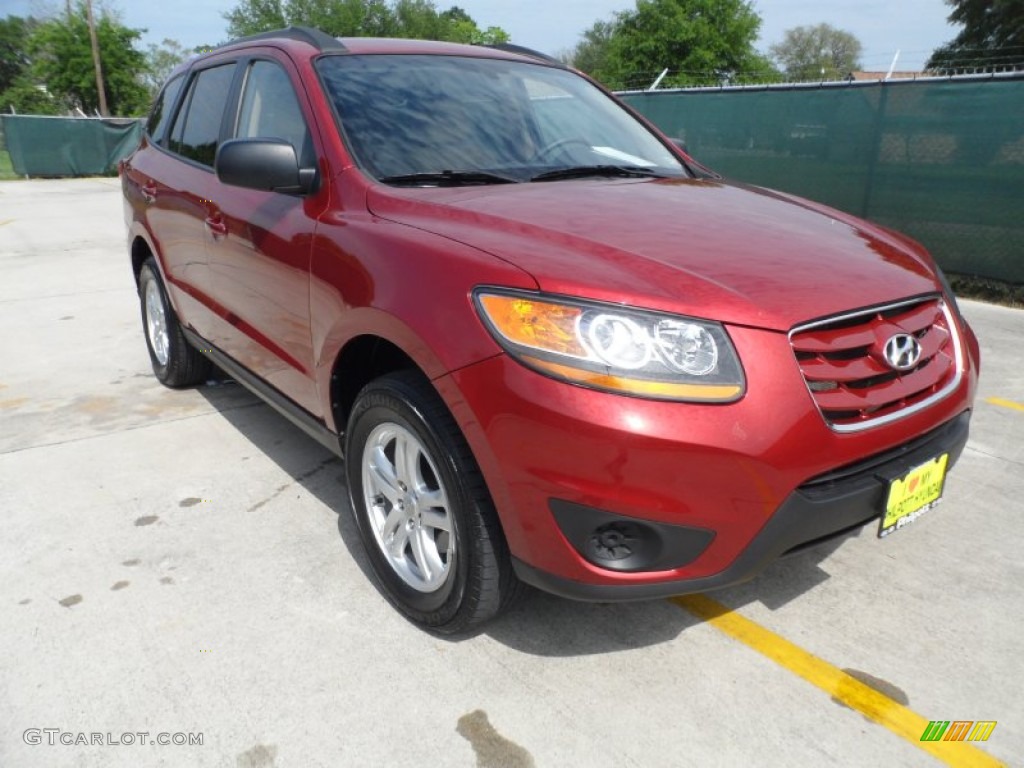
[(722, 467), (284, 283), (702, 248)]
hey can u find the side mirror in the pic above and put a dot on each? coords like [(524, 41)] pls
[(267, 164), (681, 144)]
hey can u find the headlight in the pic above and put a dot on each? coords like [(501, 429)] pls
[(613, 348)]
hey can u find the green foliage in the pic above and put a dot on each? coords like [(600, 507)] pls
[(701, 42), (992, 37), (362, 18), (62, 59), (30, 99), (6, 168), (760, 69), (253, 16), (161, 61), (592, 53), (14, 60), (819, 52)]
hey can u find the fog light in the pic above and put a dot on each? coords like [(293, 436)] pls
[(625, 544), (622, 546), (611, 542)]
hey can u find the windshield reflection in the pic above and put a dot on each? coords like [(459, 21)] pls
[(406, 115)]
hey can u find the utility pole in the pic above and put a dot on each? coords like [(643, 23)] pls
[(96, 58)]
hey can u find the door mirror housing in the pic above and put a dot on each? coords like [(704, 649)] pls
[(267, 164)]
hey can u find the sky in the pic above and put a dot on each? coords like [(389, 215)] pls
[(914, 27)]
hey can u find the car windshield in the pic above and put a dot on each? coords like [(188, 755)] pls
[(444, 120)]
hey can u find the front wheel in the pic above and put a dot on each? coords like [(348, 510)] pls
[(422, 509)]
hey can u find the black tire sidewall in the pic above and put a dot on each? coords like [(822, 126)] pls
[(146, 276), (185, 366), (377, 405)]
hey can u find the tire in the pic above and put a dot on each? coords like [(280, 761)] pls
[(176, 363), (422, 509)]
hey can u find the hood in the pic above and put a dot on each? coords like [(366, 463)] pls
[(708, 249)]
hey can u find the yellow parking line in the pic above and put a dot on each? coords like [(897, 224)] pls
[(833, 681), (1005, 403), (6, 221)]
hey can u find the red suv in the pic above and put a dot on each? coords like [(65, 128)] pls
[(552, 348)]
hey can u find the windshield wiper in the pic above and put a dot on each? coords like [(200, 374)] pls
[(583, 171), (448, 178)]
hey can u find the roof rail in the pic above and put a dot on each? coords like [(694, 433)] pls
[(319, 40), (523, 51)]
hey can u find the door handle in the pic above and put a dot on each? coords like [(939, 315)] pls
[(217, 226)]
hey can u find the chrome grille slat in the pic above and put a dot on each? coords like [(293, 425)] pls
[(843, 364)]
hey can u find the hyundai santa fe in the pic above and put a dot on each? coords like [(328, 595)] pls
[(552, 349)]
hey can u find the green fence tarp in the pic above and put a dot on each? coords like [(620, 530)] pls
[(68, 146), (941, 160)]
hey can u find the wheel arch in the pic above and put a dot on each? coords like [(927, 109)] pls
[(368, 342), (140, 251), (140, 248), (363, 358)]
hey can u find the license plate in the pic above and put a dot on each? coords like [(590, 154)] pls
[(913, 494)]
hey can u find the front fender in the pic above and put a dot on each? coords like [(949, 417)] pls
[(373, 277)]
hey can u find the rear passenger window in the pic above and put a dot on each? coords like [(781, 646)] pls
[(197, 127), (162, 109), (270, 110)]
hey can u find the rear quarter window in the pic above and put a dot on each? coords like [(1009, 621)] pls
[(196, 129), (161, 113)]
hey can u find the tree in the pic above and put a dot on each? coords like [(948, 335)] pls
[(14, 59), (362, 18), (161, 61), (18, 88), (62, 59), (819, 52), (29, 99), (253, 16), (701, 42), (593, 52), (992, 36), (462, 29)]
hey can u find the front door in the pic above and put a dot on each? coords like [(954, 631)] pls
[(260, 254)]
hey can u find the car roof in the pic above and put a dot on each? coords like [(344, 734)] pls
[(321, 42), (313, 41)]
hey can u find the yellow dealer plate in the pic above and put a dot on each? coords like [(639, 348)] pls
[(914, 494)]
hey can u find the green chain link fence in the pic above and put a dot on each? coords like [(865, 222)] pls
[(941, 160), (68, 146)]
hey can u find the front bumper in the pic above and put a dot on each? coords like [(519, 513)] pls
[(728, 486), (824, 508)]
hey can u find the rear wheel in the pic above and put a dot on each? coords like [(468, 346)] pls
[(176, 363), (423, 511)]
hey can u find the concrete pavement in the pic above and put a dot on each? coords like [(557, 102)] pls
[(184, 563)]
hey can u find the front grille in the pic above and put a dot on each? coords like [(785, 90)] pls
[(844, 364)]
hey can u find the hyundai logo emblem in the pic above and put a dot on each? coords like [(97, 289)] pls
[(902, 351)]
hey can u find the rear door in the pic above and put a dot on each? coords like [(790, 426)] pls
[(176, 181)]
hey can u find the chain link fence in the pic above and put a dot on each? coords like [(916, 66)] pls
[(68, 146), (939, 159)]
